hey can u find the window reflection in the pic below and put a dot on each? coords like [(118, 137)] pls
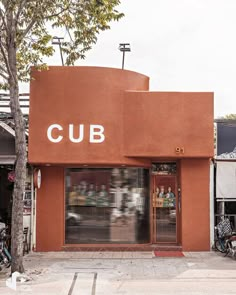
[(164, 208), (109, 205), (164, 168)]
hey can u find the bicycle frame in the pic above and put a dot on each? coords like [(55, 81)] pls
[(5, 256)]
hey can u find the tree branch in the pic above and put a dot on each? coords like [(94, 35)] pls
[(60, 12), (31, 24), (6, 60), (68, 31), (29, 27), (4, 76), (3, 20), (21, 6), (3, 70)]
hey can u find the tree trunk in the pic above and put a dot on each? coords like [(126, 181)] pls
[(20, 147), (19, 185)]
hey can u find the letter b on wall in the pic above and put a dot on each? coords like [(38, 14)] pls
[(96, 134)]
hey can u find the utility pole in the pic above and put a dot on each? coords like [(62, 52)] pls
[(124, 47)]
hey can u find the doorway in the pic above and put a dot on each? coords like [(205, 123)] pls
[(165, 203)]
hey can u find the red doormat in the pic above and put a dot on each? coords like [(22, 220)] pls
[(169, 254)]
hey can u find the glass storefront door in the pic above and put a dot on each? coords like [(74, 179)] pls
[(165, 211)]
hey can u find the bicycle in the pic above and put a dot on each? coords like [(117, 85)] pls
[(225, 238), (5, 256)]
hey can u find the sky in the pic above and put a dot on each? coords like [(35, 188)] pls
[(182, 45)]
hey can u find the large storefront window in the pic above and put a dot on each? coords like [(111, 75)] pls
[(107, 205)]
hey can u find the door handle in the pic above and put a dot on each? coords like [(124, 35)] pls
[(179, 199)]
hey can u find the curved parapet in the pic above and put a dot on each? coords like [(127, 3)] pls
[(76, 114)]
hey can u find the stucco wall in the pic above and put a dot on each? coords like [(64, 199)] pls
[(50, 210), (195, 209), (158, 123), (137, 124), (80, 95)]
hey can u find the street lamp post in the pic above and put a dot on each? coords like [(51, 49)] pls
[(57, 41), (124, 47)]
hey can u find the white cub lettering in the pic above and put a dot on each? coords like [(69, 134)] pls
[(56, 133)]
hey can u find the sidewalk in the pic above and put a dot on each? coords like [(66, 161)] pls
[(132, 273)]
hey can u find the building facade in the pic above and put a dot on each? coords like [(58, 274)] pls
[(122, 167)]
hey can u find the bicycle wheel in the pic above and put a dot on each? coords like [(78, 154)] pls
[(218, 245)]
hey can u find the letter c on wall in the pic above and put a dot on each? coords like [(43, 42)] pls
[(49, 133)]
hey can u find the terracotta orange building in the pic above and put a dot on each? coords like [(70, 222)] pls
[(122, 167)]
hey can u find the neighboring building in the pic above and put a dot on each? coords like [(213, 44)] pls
[(7, 174), (7, 161), (225, 168), (122, 167)]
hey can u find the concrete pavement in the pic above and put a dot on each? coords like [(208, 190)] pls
[(131, 273)]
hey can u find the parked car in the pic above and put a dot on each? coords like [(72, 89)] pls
[(73, 218)]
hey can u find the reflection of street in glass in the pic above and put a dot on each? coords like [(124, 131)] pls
[(91, 196), (172, 216), (118, 216), (166, 229), (73, 218), (105, 205), (102, 198)]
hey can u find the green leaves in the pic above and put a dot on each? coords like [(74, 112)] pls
[(230, 116), (33, 25)]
